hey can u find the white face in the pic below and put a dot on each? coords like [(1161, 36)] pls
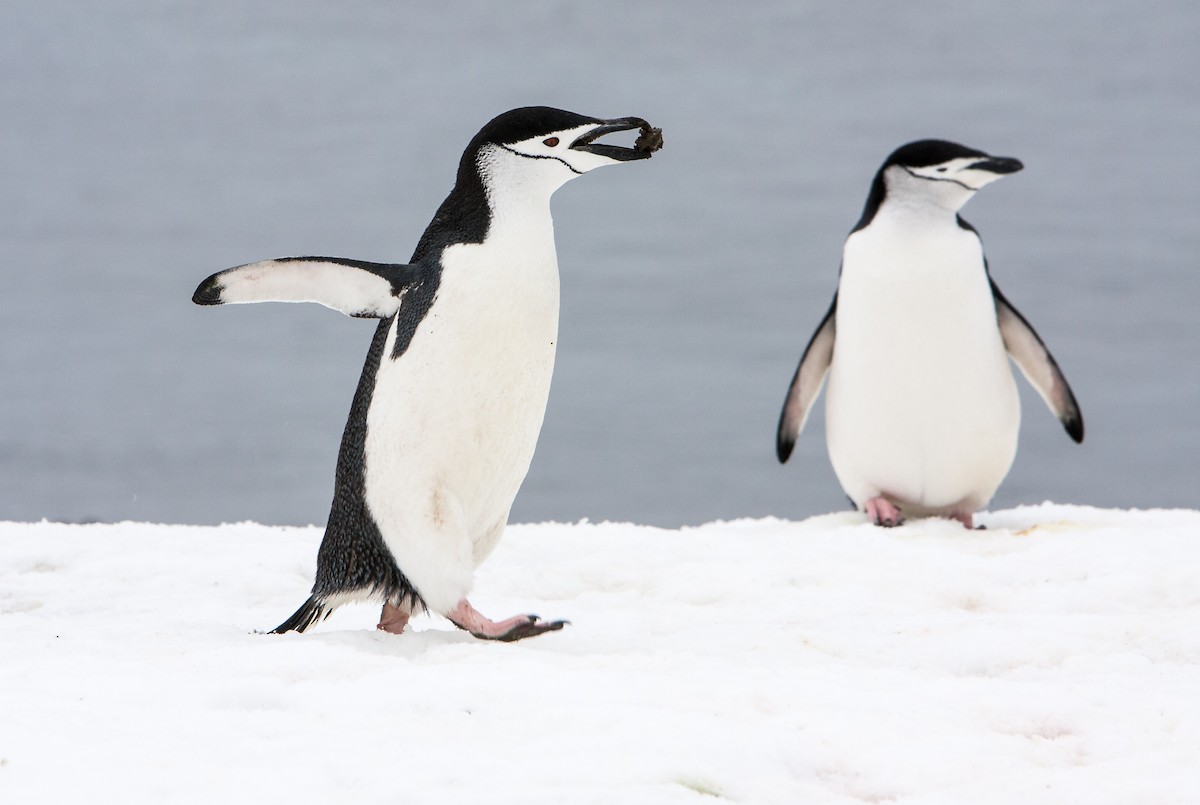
[(947, 185), (958, 171), (555, 152)]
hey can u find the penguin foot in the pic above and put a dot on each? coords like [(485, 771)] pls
[(967, 519), (393, 619), (518, 627), (884, 513)]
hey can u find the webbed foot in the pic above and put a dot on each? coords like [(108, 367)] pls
[(518, 627), (883, 512)]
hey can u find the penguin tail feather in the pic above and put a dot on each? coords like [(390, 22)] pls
[(312, 611)]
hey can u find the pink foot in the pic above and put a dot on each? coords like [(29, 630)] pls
[(883, 512), (967, 519), (469, 619), (393, 619)]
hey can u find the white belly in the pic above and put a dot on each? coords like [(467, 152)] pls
[(921, 404), (453, 423)]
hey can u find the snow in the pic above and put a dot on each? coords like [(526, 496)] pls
[(1052, 658)]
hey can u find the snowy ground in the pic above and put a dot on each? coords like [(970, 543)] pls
[(1053, 658)]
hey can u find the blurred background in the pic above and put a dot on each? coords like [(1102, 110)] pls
[(145, 146)]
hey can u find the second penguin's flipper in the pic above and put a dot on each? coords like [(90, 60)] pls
[(1038, 365), (354, 287), (806, 385)]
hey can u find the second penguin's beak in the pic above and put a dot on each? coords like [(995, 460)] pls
[(648, 141), (1000, 165)]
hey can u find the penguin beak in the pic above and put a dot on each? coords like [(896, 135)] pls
[(998, 165), (648, 141)]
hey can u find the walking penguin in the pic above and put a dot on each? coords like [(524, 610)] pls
[(922, 412), (446, 416)]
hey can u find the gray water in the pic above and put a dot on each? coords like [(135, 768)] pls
[(144, 146)]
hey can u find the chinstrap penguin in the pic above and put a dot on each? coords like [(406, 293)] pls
[(446, 416), (921, 410)]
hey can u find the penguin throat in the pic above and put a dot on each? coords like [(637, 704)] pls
[(518, 191)]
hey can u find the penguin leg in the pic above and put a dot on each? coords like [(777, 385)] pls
[(966, 518), (883, 512), (393, 619), (518, 627)]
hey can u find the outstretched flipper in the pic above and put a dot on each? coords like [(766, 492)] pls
[(1038, 365), (806, 385), (354, 287)]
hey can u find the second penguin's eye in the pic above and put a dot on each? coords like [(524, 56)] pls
[(550, 141)]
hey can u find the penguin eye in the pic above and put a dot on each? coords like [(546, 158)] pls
[(550, 141)]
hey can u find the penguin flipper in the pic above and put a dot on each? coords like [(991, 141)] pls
[(806, 385), (1038, 365), (354, 287)]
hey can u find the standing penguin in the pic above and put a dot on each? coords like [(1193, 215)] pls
[(447, 413), (922, 412)]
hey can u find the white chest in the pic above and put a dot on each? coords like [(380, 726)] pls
[(916, 298), (921, 403), (461, 409)]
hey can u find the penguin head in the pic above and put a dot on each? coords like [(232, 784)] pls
[(938, 172), (537, 148)]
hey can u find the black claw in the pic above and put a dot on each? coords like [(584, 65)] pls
[(531, 629)]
